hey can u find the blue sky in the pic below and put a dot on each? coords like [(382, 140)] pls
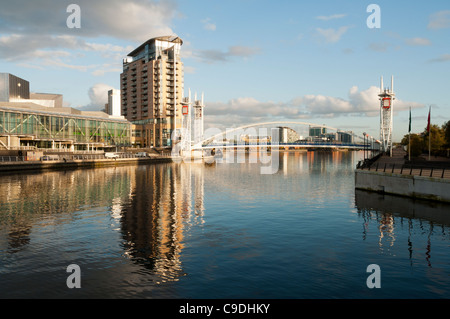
[(255, 61)]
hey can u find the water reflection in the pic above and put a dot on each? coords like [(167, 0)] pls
[(48, 199), (149, 206), (188, 230), (155, 218), (418, 218)]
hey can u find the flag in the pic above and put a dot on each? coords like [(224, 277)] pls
[(429, 114), (409, 129)]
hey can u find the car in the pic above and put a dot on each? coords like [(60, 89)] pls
[(111, 155), (141, 154)]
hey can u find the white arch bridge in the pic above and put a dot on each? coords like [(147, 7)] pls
[(215, 139)]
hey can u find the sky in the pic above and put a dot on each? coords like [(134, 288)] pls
[(255, 61)]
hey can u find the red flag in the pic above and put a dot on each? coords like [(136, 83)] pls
[(428, 126)]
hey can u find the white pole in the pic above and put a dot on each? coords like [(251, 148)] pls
[(175, 90), (409, 136), (429, 135), (392, 84)]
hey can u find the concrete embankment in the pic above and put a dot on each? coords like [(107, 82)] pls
[(391, 175), (405, 185), (74, 164)]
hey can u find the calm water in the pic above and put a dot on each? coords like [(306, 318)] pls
[(218, 231)]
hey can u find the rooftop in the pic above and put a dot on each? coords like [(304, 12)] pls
[(34, 108), (168, 38)]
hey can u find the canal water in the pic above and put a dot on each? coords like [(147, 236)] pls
[(220, 230)]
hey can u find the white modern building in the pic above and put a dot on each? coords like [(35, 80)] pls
[(113, 106)]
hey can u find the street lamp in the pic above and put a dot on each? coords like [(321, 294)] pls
[(364, 152)]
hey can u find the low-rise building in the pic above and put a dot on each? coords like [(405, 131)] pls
[(26, 124)]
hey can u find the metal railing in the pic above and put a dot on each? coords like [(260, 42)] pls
[(71, 157), (13, 158), (412, 170)]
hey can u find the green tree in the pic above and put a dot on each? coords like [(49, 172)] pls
[(417, 144), (446, 128), (437, 139)]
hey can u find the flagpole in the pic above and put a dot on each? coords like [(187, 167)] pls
[(409, 147), (409, 136), (429, 134), (429, 145)]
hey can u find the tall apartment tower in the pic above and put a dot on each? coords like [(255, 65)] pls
[(152, 90)]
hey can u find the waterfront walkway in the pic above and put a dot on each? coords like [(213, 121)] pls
[(436, 167), (85, 161)]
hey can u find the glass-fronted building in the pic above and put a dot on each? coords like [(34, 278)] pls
[(39, 120), (23, 124)]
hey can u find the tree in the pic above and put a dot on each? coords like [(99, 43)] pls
[(446, 128), (417, 144), (437, 139)]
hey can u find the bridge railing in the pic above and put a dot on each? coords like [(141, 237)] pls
[(311, 144)]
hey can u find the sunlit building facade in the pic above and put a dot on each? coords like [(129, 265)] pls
[(152, 89), (28, 125), (42, 122)]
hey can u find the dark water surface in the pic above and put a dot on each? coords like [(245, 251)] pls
[(218, 231)]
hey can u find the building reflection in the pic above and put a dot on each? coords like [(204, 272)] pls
[(49, 199), (385, 213), (152, 207), (157, 216)]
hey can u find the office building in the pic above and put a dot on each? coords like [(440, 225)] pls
[(317, 131), (26, 124), (288, 135), (152, 90), (13, 88), (345, 137)]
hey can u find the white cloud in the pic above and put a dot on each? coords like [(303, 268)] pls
[(189, 69), (439, 20), (40, 52), (58, 63), (379, 47), (442, 58), (332, 35), (106, 68), (98, 96), (136, 20), (243, 51), (208, 25), (418, 42), (243, 110), (358, 102), (102, 47), (211, 56), (25, 47), (331, 17)]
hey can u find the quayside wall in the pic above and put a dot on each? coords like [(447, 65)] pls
[(423, 187), (14, 167)]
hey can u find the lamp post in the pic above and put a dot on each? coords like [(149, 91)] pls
[(364, 145)]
